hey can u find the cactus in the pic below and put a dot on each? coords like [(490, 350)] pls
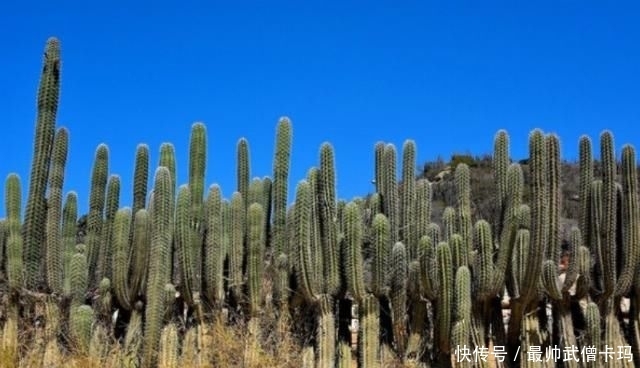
[(96, 208), (256, 248), (214, 251), (81, 325), (243, 171), (13, 200), (54, 252), (36, 206), (105, 255), (121, 254), (159, 264), (408, 233)]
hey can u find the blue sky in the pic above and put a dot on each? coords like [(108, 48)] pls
[(351, 73)]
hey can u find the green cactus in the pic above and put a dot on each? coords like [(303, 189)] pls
[(237, 251), (243, 171), (121, 258), (140, 253), (13, 204), (445, 297), (463, 208), (398, 295), (408, 231), (215, 252), (36, 206), (256, 249), (184, 243), (140, 178), (461, 327), (105, 255), (69, 219), (81, 321), (159, 264), (79, 275), (278, 234), (97, 198), (369, 332), (630, 221), (54, 253)]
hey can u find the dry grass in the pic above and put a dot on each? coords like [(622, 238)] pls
[(222, 345)]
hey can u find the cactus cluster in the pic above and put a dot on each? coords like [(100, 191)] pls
[(153, 278)]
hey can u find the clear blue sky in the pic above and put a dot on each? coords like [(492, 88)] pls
[(352, 73)]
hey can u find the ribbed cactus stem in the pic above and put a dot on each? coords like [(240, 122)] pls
[(398, 295), (79, 275), (463, 191), (369, 332), (140, 253), (379, 285), (256, 247), (97, 199), (243, 171), (379, 167), (105, 254), (445, 296), (428, 275), (81, 321), (539, 209), (184, 242), (54, 257), (353, 251), (237, 251), (586, 178), (390, 200), (159, 264), (13, 204), (281, 163), (36, 206), (121, 257), (554, 191), (408, 233), (215, 252), (140, 178), (609, 211), (69, 229), (500, 162), (328, 222), (461, 328), (630, 221)]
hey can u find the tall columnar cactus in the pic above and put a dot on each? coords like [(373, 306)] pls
[(121, 258), (399, 270), (184, 243), (159, 264), (630, 221), (36, 207), (140, 178), (278, 241), (390, 201), (256, 249), (69, 226), (609, 211), (532, 267), (13, 204), (97, 198), (103, 268), (243, 171), (237, 226), (214, 251), (54, 251), (461, 323), (500, 163), (328, 225), (409, 233), (465, 224)]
